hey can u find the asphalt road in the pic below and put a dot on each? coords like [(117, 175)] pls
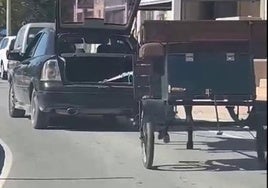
[(90, 152)]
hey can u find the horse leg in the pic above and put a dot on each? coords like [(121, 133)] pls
[(189, 120)]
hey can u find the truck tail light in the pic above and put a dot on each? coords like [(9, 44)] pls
[(51, 71)]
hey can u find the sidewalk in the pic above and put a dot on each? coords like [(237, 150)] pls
[(207, 113)]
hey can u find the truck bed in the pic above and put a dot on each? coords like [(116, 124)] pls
[(196, 31), (208, 58)]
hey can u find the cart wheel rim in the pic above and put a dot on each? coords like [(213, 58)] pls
[(144, 153), (144, 139), (143, 145), (147, 145)]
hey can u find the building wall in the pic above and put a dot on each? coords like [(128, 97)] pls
[(263, 9), (190, 10), (249, 8), (198, 9), (98, 8)]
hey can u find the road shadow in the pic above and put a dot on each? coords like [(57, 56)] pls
[(224, 145), (232, 144), (93, 124), (122, 124), (215, 165)]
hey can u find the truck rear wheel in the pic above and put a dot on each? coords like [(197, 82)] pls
[(39, 119)]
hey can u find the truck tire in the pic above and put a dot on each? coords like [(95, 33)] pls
[(39, 119)]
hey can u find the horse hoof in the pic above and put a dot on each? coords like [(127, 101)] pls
[(166, 138)]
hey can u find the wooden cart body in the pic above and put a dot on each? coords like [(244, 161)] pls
[(195, 63)]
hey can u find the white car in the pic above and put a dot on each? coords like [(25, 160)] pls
[(24, 36), (4, 48)]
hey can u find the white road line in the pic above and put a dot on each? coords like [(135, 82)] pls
[(7, 163)]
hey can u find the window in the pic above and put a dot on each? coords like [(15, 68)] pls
[(41, 46), (1, 44), (32, 46), (4, 43), (110, 11), (19, 40), (11, 46), (32, 33)]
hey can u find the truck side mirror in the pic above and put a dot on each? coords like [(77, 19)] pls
[(15, 56)]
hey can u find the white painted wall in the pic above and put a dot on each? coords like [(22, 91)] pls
[(263, 9)]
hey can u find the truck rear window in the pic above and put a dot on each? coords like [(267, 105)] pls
[(32, 32)]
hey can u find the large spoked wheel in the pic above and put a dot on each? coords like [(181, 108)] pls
[(13, 111), (39, 119), (147, 143)]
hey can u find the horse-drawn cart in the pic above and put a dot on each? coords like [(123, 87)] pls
[(192, 63)]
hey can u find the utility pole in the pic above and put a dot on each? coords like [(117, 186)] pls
[(176, 9), (263, 9), (8, 18)]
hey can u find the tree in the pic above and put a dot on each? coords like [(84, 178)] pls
[(2, 13), (26, 11)]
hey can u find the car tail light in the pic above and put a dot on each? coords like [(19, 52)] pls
[(51, 71)]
